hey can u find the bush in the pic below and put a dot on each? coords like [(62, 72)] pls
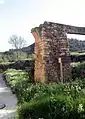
[(47, 101), (53, 107), (36, 91), (78, 71), (15, 77), (52, 101)]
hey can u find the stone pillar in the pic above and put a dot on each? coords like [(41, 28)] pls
[(50, 45)]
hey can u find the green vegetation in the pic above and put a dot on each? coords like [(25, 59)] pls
[(52, 101), (77, 53), (48, 101), (14, 56), (16, 77), (54, 107), (6, 63), (78, 70), (17, 54), (76, 45)]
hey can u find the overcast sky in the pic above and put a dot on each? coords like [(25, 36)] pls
[(19, 16)]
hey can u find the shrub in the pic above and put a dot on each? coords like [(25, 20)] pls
[(15, 77), (36, 91), (47, 101), (78, 71), (53, 107)]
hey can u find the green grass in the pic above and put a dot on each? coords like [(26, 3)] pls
[(6, 63), (77, 53), (14, 56), (13, 77), (75, 64), (64, 101), (36, 100)]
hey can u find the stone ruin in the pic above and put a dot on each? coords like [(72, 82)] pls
[(52, 57)]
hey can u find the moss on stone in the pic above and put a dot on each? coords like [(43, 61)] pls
[(36, 29)]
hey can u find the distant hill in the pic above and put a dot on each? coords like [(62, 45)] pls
[(29, 49), (76, 45), (17, 54)]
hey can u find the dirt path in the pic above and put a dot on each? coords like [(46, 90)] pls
[(7, 98)]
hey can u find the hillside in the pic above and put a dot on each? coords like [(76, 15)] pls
[(76, 45), (26, 53), (29, 49)]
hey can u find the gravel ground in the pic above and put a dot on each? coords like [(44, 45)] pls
[(7, 98)]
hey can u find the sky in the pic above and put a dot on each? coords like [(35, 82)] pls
[(20, 16)]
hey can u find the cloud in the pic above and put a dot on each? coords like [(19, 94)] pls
[(1, 1)]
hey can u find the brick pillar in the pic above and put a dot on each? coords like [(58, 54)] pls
[(39, 69)]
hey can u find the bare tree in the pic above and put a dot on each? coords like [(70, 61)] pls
[(17, 42)]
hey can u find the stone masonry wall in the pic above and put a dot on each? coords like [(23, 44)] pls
[(56, 46), (51, 46)]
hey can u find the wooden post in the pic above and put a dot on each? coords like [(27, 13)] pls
[(61, 69)]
